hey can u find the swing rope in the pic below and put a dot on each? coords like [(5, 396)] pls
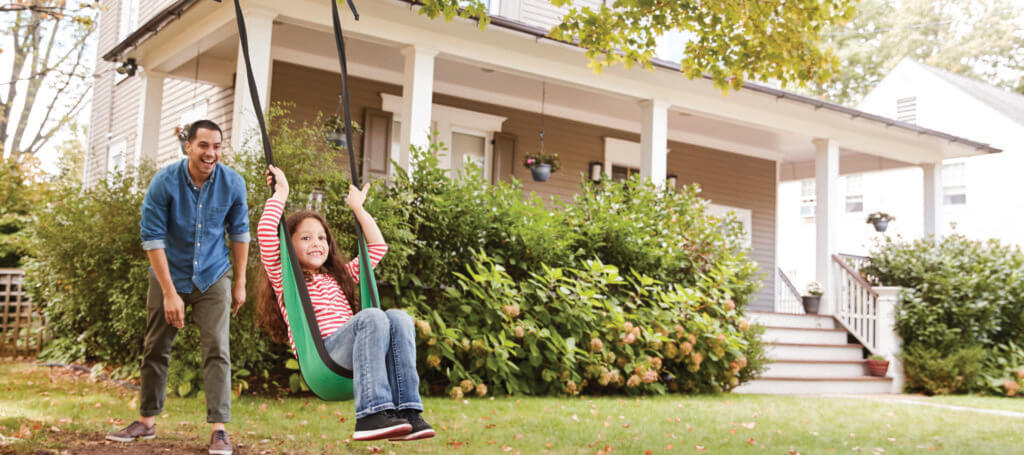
[(325, 377)]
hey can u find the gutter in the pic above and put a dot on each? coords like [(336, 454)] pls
[(175, 10)]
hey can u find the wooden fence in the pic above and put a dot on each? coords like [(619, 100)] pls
[(21, 325)]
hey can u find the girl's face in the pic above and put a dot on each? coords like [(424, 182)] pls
[(310, 241)]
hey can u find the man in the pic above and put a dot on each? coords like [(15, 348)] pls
[(188, 207)]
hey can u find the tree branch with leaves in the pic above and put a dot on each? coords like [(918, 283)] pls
[(730, 41)]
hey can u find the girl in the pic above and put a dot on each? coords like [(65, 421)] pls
[(377, 346)]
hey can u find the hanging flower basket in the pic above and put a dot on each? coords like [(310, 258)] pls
[(880, 220), (541, 165)]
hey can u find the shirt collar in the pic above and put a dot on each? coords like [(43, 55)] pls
[(188, 176)]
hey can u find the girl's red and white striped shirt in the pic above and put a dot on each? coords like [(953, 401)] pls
[(329, 302)]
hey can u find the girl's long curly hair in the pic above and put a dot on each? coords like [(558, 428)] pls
[(270, 316)]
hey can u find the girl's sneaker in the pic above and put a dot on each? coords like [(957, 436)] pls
[(420, 428), (382, 425)]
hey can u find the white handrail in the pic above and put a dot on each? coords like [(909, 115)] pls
[(856, 304), (787, 298)]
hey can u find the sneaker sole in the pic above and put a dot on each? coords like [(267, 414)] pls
[(120, 439), (423, 434), (219, 452), (382, 433)]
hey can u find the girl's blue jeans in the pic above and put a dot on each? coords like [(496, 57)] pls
[(380, 349)]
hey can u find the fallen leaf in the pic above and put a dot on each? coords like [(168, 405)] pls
[(749, 425), (700, 448), (575, 418), (263, 407), (648, 452), (519, 436), (750, 441)]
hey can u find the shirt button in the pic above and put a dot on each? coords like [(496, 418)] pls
[(200, 205), (197, 262)]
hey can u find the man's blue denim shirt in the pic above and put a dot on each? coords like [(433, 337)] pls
[(189, 222)]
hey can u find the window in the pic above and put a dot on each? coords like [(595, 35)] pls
[(116, 152), (807, 198), (954, 187), (906, 109), (466, 133), (854, 194), (468, 148), (129, 20), (744, 216)]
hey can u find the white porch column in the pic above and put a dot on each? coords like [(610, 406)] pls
[(654, 141), (826, 216), (417, 100), (932, 198), (889, 343), (245, 128), (147, 128)]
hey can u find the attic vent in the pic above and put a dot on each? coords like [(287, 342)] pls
[(906, 109)]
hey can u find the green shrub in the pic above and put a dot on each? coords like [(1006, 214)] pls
[(936, 372), (1002, 371), (959, 294), (573, 330)]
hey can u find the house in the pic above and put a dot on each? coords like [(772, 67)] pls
[(487, 93), (982, 197)]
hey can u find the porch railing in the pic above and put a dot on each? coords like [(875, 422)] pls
[(856, 304), (787, 297), (21, 325)]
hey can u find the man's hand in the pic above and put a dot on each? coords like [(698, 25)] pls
[(238, 295), (174, 309)]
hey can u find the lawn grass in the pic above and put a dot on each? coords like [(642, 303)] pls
[(61, 410)]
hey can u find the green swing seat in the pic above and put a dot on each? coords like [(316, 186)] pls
[(327, 380)]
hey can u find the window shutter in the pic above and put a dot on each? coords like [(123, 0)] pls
[(504, 157), (376, 143)]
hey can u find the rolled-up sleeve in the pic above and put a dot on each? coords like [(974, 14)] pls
[(153, 225), (238, 215)]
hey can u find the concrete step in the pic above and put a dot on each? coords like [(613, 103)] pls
[(858, 385), (805, 321), (803, 335), (815, 369), (811, 351)]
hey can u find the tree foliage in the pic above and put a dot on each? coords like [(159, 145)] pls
[(729, 41), (982, 39), (49, 71)]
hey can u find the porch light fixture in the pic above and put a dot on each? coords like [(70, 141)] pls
[(129, 67), (670, 181), (596, 169)]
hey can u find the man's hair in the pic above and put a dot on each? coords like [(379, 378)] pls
[(204, 124)]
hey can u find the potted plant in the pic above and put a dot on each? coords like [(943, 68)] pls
[(877, 365), (880, 220), (335, 128), (541, 165), (812, 300)]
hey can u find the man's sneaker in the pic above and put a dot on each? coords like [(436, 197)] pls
[(382, 425), (420, 428), (219, 443), (137, 430)]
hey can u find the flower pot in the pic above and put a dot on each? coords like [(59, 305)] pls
[(811, 303), (540, 172), (881, 225), (878, 367)]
